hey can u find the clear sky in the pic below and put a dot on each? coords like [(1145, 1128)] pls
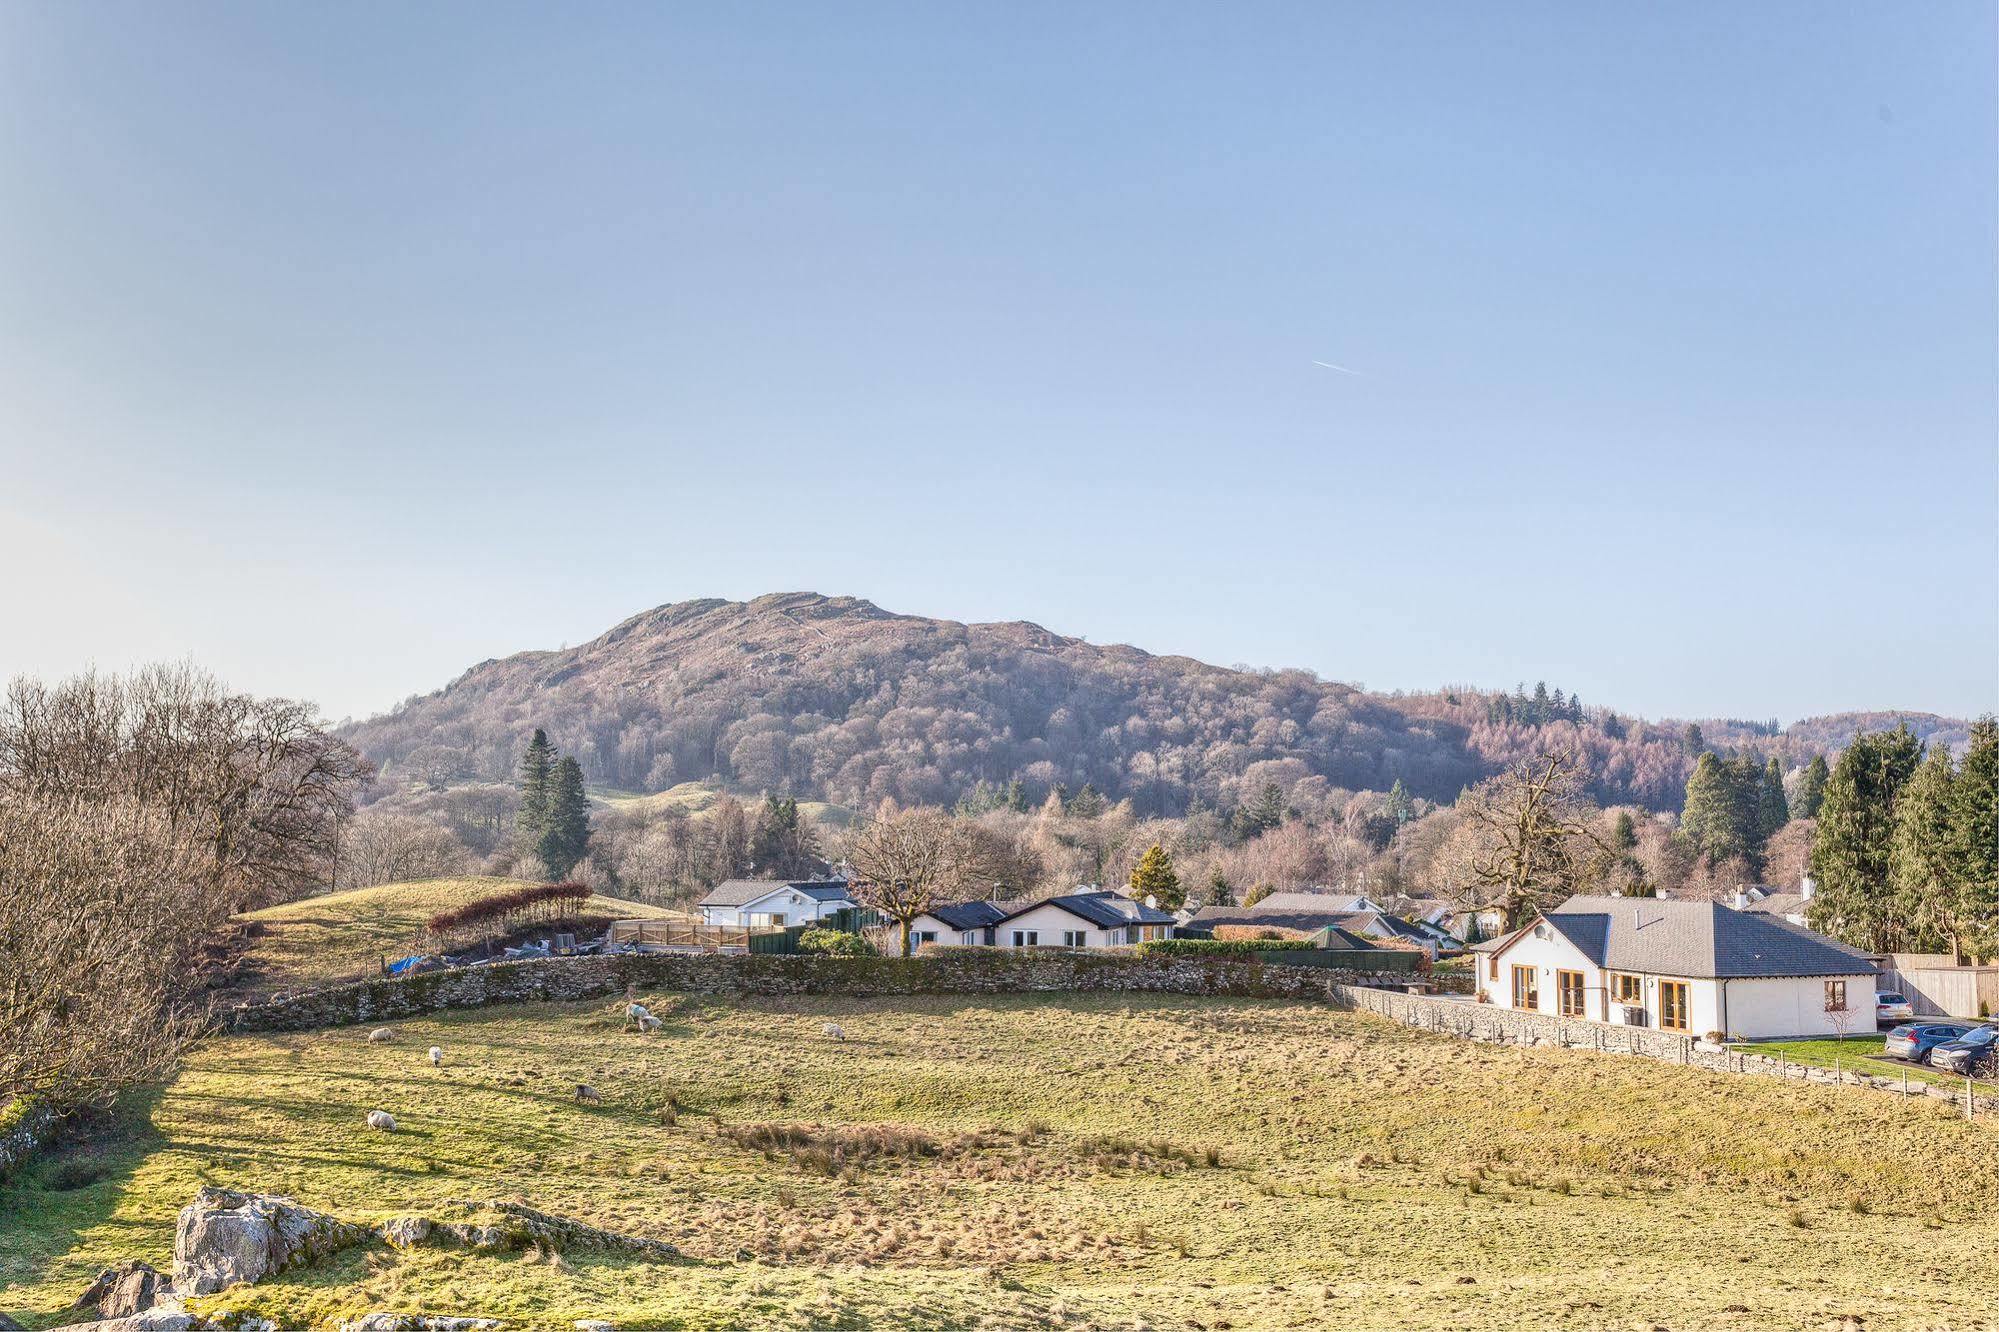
[(342, 346)]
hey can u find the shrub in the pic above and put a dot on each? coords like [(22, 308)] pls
[(1217, 947), (515, 907), (834, 943)]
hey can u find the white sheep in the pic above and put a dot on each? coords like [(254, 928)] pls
[(436, 1056), (383, 1120), (835, 1030), (587, 1095), (636, 1013), (380, 1034), (649, 1023)]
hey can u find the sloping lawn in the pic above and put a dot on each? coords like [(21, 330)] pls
[(1046, 1161), (345, 935)]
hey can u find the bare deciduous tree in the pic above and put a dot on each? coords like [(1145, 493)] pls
[(381, 846), (1528, 838), (907, 861)]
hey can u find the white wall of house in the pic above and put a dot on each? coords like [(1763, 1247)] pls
[(783, 906), (1052, 927), (941, 934), (1795, 1006)]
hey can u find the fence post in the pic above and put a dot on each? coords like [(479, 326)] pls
[(1967, 1096)]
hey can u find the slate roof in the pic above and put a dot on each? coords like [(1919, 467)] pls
[(1105, 910), (1779, 904), (742, 892), (1307, 921), (1335, 937), (1668, 937), (1311, 902), (973, 915)]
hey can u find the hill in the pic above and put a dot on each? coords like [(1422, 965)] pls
[(344, 936), (1041, 1161), (838, 700)]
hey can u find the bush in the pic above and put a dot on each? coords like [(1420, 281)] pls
[(517, 907), (834, 943), (1217, 947)]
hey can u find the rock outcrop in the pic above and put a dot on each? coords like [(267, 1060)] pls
[(121, 1291), (225, 1237)]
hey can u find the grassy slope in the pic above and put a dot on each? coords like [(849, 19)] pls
[(1368, 1174), (697, 798), (345, 935)]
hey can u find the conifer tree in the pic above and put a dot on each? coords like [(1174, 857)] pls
[(566, 834), (1399, 807), (1266, 811), (1919, 860), (1219, 891), (1974, 843), (1088, 803), (1811, 788), (1856, 820), (1720, 816), (1773, 810), (1694, 741), (1624, 833), (537, 775), (1154, 876)]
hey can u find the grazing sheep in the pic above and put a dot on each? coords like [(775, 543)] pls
[(636, 1015), (835, 1030), (649, 1023), (436, 1057), (587, 1095), (380, 1034), (383, 1120)]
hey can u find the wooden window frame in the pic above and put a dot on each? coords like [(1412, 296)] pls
[(1835, 989), (1533, 1004), (1615, 988), (1685, 1007), (1563, 990)]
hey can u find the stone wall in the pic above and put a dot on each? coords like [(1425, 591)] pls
[(1495, 1025), (935, 971), (23, 1130)]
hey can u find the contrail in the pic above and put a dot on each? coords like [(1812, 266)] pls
[(1342, 369)]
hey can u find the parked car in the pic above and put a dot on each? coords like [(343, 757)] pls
[(1977, 1051), (1915, 1040), (1891, 1007)]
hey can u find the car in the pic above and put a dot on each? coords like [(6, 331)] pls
[(1891, 1007), (1977, 1051), (1914, 1040)]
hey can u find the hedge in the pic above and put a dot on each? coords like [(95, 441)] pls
[(1221, 947)]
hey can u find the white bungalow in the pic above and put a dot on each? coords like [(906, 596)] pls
[(1086, 919), (764, 903), (1695, 967)]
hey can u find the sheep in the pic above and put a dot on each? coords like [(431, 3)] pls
[(383, 1120), (636, 1015), (436, 1057), (649, 1023), (380, 1034), (835, 1030), (587, 1095)]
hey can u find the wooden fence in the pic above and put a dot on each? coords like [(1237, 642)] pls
[(696, 936)]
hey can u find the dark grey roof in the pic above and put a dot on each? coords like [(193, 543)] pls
[(1308, 901), (1105, 910), (1667, 937), (741, 892), (1778, 904), (1335, 937), (974, 915)]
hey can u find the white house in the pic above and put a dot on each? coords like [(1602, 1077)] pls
[(1695, 967), (1775, 901), (763, 903), (1089, 919)]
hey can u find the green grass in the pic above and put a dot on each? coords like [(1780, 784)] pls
[(344, 936), (1071, 1161), (1853, 1054)]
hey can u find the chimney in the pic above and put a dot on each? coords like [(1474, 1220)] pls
[(1741, 899), (1806, 888)]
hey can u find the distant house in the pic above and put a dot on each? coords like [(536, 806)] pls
[(1469, 925), (1770, 901), (1684, 966), (1300, 915), (1091, 918), (763, 903)]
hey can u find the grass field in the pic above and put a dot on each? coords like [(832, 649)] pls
[(1853, 1054), (697, 798), (343, 936), (1109, 1161)]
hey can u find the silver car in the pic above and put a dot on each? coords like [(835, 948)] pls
[(1890, 1007)]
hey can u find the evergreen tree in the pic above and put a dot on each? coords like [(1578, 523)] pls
[(537, 775), (1016, 796), (1974, 843), (1850, 853), (1624, 833), (1919, 860), (1088, 804), (566, 835), (1773, 810), (1219, 891), (1154, 876), (1263, 813), (1721, 816), (1811, 788), (1694, 741), (781, 843), (1399, 807)]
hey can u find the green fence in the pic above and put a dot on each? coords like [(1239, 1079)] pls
[(1399, 960)]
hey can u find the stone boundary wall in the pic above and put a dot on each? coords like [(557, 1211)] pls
[(936, 971), (1495, 1025), (25, 1132)]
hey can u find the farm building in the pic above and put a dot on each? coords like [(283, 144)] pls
[(1696, 967)]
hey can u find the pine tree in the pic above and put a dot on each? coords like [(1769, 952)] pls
[(566, 834), (1919, 859), (1850, 853), (781, 843), (1219, 891), (1016, 796), (1811, 788), (1153, 876), (1773, 810), (1694, 741), (1974, 843), (1088, 804), (1399, 807), (1624, 833), (537, 772), (1720, 817), (1263, 813)]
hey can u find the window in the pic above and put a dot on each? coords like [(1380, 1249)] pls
[(926, 936), (1569, 990), (1027, 938), (1074, 938), (1492, 968), (763, 918), (1526, 994), (1835, 996), (1673, 1012), (1627, 990)]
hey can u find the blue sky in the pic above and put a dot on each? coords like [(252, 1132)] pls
[(344, 346)]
